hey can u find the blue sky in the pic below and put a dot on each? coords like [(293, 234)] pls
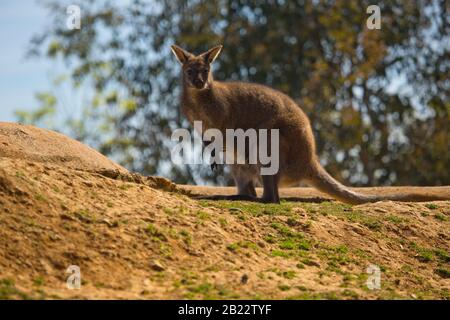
[(20, 78)]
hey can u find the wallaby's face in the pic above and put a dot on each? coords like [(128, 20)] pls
[(196, 69)]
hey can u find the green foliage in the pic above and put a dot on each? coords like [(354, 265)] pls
[(43, 114), (378, 99)]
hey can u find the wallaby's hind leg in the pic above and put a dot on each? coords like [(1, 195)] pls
[(270, 193), (244, 177), (246, 188)]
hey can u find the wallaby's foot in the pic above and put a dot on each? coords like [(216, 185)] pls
[(270, 200), (270, 192), (236, 197)]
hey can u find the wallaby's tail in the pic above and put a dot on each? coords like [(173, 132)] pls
[(320, 179)]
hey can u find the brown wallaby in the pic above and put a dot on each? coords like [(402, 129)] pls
[(232, 105)]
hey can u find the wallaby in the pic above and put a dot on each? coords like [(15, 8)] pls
[(232, 105)]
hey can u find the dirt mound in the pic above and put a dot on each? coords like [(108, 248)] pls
[(34, 144), (135, 238)]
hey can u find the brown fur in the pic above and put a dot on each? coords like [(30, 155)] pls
[(233, 105)]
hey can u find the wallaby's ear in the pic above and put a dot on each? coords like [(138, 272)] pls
[(212, 54), (182, 55)]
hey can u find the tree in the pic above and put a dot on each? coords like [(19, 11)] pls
[(378, 99)]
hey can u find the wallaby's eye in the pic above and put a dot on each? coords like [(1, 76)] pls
[(189, 72)]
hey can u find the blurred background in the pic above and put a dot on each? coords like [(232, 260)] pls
[(378, 100)]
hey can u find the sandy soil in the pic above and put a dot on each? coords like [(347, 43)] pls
[(313, 195), (139, 237)]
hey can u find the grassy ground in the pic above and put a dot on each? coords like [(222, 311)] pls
[(134, 241), (291, 237)]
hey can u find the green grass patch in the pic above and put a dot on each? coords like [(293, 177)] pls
[(284, 287), (187, 238), (443, 273), (20, 175), (345, 212), (209, 291), (125, 186), (155, 233), (40, 197), (252, 208), (335, 257), (288, 274), (287, 238), (316, 296), (202, 215), (8, 291), (242, 244), (223, 222), (442, 255), (38, 281), (423, 254), (440, 217), (280, 253), (84, 215), (395, 219), (202, 288)]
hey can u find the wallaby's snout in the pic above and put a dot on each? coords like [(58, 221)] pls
[(198, 83)]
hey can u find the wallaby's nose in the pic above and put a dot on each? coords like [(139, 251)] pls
[(198, 83)]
